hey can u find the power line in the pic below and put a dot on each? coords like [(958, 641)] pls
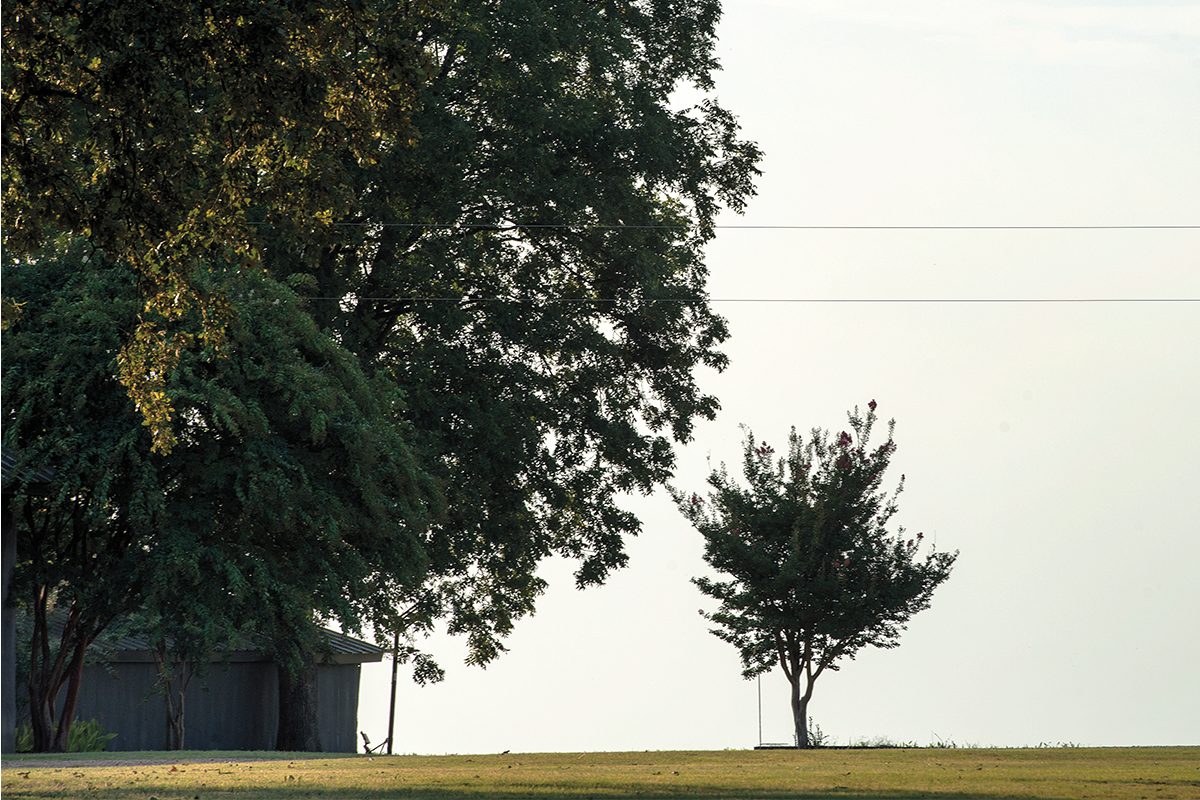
[(845, 300), (589, 226), (959, 300), (960, 227)]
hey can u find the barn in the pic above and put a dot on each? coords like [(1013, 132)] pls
[(233, 706)]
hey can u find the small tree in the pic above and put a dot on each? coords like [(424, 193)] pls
[(82, 528), (291, 493), (814, 573)]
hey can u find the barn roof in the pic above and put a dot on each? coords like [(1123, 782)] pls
[(9, 460), (339, 645), (340, 648)]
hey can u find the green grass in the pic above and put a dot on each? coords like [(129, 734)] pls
[(1158, 773)]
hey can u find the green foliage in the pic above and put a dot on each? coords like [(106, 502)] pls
[(461, 347), (291, 491), (65, 414), (167, 134), (149, 125), (293, 480), (87, 736), (818, 737), (531, 275), (814, 574), (24, 738)]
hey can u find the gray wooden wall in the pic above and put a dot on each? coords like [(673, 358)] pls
[(232, 707)]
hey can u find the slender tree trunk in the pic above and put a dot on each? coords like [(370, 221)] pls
[(298, 728), (42, 687), (800, 704), (800, 712), (175, 722), (169, 718), (174, 708), (41, 720), (179, 719), (74, 678), (48, 672), (171, 670)]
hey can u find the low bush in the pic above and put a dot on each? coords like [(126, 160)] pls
[(86, 736)]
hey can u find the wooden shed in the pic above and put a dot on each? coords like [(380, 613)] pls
[(234, 706)]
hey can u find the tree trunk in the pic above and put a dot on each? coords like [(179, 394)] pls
[(173, 678), (177, 725), (174, 707), (42, 684), (74, 677), (298, 729), (41, 720), (800, 704), (48, 672), (800, 712)]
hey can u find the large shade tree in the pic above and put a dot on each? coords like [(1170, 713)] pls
[(809, 571), (527, 271), (531, 275)]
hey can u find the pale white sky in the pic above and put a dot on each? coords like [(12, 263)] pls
[(1057, 445)]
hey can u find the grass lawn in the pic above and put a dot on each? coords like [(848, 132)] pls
[(1156, 773)]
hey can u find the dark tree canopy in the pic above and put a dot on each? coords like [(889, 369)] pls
[(133, 123), (531, 275), (81, 528), (480, 298), (812, 573), (292, 490)]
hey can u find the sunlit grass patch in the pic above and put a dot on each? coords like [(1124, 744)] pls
[(1167, 773)]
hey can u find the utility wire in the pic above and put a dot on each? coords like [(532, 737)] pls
[(960, 227), (897, 300), (511, 225), (586, 226)]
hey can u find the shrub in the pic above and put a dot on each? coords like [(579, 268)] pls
[(818, 737), (85, 737)]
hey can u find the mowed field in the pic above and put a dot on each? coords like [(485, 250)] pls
[(1156, 773)]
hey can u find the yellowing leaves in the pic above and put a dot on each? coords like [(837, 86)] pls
[(223, 109)]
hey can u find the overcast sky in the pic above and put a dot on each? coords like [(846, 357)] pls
[(1055, 444)]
